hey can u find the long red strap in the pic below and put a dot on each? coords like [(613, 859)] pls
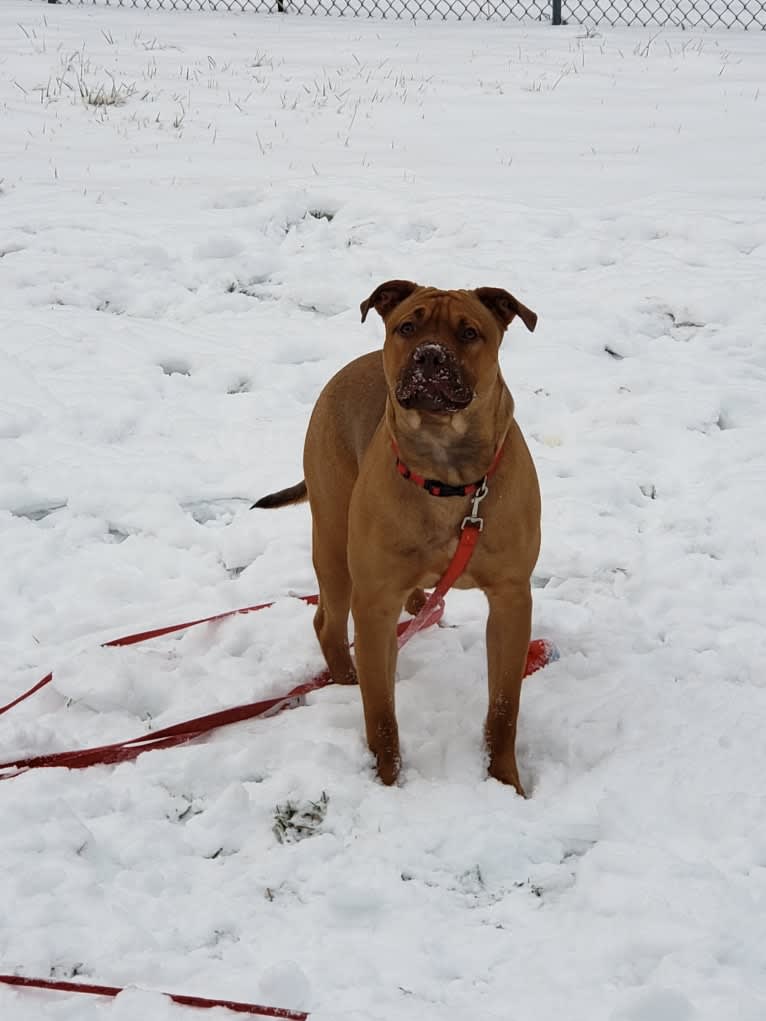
[(188, 730), (540, 653), (145, 636), (188, 1001)]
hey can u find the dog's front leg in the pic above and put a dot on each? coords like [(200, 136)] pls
[(375, 616), (508, 632)]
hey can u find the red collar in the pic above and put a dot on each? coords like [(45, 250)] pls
[(436, 488)]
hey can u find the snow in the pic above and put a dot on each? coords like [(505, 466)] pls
[(181, 272)]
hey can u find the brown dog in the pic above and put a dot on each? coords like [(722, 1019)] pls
[(434, 402)]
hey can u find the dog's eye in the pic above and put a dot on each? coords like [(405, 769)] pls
[(469, 334), (407, 329)]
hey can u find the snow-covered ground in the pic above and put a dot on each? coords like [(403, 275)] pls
[(179, 275)]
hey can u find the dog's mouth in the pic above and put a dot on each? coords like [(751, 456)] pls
[(435, 388), (435, 399)]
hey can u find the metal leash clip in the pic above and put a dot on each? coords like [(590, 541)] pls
[(473, 518), (289, 703)]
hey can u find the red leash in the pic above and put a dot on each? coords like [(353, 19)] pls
[(540, 653), (188, 730), (187, 1001), (145, 636)]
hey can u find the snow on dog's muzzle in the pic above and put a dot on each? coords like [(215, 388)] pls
[(432, 380)]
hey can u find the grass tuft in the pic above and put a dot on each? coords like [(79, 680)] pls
[(103, 95), (294, 821)]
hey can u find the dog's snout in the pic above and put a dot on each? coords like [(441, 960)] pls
[(429, 356), (432, 380)]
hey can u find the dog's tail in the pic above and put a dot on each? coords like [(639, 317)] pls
[(293, 494)]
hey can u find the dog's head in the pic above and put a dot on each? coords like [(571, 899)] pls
[(441, 347)]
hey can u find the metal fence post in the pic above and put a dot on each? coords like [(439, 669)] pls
[(555, 12)]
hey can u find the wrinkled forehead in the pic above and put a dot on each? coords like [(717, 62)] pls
[(443, 308)]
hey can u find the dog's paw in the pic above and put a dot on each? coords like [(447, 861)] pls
[(387, 769), (385, 749), (347, 676), (507, 774), (415, 601)]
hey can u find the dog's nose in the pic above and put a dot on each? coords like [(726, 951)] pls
[(429, 356)]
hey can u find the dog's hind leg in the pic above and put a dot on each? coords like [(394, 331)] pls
[(331, 617), (508, 632)]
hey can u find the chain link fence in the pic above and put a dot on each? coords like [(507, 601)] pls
[(663, 13)]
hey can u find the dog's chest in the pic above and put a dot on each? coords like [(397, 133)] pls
[(431, 539), (431, 546)]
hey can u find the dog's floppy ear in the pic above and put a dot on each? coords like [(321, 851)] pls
[(505, 307), (387, 296)]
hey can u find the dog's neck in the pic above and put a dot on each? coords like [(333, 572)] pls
[(459, 448)]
